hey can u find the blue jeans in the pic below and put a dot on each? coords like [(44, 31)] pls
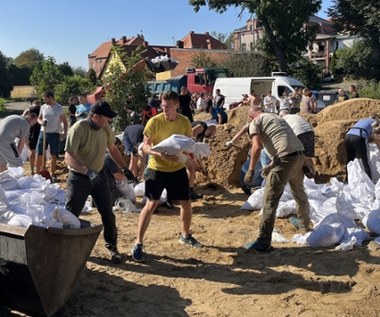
[(79, 187)]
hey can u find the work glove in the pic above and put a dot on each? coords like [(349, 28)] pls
[(128, 174), (91, 174), (248, 177)]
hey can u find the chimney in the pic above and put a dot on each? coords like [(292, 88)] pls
[(208, 41), (179, 44), (191, 32), (207, 33), (145, 44), (113, 40), (124, 39)]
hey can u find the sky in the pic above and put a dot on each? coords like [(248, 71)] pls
[(69, 30)]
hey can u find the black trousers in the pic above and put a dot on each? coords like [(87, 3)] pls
[(356, 147), (79, 187)]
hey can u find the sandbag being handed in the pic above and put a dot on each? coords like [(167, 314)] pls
[(175, 144)]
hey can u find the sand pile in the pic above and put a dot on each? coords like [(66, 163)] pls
[(330, 126)]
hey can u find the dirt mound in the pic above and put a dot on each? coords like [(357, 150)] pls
[(330, 126)]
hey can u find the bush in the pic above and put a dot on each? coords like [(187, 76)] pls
[(2, 104), (370, 90)]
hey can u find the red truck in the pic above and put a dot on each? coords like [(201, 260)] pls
[(197, 80)]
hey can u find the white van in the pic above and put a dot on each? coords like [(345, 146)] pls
[(232, 88)]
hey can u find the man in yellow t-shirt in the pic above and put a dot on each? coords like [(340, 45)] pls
[(165, 171)]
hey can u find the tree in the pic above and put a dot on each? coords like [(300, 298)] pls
[(224, 38), (23, 65), (307, 72), (46, 75), (70, 86), (29, 58), (247, 64), (202, 59), (125, 87), (66, 69), (356, 61), (5, 77), (286, 36), (361, 18), (91, 75)]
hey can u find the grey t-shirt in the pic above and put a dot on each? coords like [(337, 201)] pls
[(276, 135), (12, 127)]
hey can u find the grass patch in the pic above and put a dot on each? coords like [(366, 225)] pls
[(23, 92)]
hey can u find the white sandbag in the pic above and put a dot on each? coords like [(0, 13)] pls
[(255, 201), (175, 144), (201, 149), (6, 215), (140, 189), (372, 221), (284, 209), (16, 172), (3, 197), (126, 190), (374, 161), (68, 219), (325, 236), (125, 205), (20, 221), (355, 237), (9, 183)]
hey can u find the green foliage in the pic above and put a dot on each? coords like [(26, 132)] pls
[(333, 66), (224, 38), (2, 104), (28, 58), (5, 77), (72, 85), (361, 18), (66, 69), (80, 71), (283, 21), (22, 66), (91, 75), (307, 72), (371, 90), (125, 88), (202, 59), (247, 64), (357, 61), (46, 75)]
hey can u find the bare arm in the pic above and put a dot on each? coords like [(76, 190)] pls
[(72, 161), (242, 131), (64, 121), (116, 156), (21, 144), (255, 151)]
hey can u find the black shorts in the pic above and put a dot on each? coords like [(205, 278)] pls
[(34, 133), (176, 184), (307, 140)]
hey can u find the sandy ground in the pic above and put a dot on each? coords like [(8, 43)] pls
[(221, 279)]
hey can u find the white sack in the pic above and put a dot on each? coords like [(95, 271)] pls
[(126, 190), (325, 236), (175, 144), (372, 221), (255, 201)]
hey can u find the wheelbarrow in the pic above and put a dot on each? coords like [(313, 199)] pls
[(39, 266)]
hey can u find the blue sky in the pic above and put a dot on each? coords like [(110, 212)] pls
[(69, 30)]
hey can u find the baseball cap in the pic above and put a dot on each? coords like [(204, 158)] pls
[(103, 108)]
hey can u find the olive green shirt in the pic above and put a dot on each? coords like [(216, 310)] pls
[(89, 145)]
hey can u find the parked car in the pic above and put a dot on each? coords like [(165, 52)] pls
[(320, 103)]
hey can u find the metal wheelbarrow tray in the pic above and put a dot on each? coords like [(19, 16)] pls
[(39, 266)]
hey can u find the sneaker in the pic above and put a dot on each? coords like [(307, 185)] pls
[(189, 240), (257, 246), (137, 252), (115, 256), (195, 196)]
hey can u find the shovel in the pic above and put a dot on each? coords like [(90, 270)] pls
[(44, 172)]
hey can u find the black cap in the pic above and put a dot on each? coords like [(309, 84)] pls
[(103, 108)]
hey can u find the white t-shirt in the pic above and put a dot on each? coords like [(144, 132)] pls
[(52, 114), (298, 124)]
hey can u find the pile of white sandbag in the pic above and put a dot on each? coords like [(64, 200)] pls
[(27, 200), (334, 207)]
